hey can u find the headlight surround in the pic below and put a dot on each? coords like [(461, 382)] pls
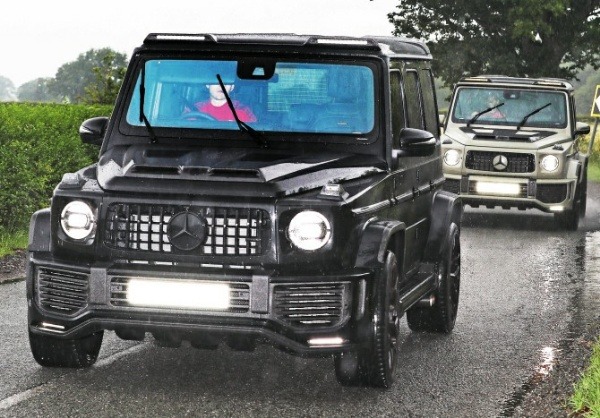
[(309, 230), (550, 163), (452, 157), (78, 220)]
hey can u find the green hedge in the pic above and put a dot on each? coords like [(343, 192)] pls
[(38, 143)]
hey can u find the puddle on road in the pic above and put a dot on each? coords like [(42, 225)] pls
[(584, 308)]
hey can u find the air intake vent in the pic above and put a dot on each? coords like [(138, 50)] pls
[(312, 305), (552, 193), (62, 291)]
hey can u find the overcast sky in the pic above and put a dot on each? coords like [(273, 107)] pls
[(38, 36)]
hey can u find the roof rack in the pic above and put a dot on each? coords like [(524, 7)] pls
[(554, 82)]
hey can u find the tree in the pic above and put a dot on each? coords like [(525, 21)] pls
[(108, 79), (534, 38), (73, 80), (7, 90), (37, 90)]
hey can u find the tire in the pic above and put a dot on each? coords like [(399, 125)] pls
[(55, 352), (441, 317), (569, 219), (375, 366), (583, 194)]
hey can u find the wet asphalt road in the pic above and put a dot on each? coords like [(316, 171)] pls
[(528, 290)]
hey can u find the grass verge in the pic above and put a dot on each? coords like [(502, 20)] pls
[(594, 171), (11, 241), (586, 399)]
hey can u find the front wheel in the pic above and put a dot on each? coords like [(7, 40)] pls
[(441, 316), (375, 366), (569, 219), (80, 353)]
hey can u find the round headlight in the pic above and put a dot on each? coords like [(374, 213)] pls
[(452, 157), (549, 163), (309, 230), (78, 220)]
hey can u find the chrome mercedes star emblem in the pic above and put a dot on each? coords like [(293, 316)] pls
[(500, 162), (186, 231)]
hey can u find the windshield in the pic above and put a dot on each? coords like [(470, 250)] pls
[(515, 107), (274, 97)]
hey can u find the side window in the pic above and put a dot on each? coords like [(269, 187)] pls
[(414, 100), (429, 106), (398, 118)]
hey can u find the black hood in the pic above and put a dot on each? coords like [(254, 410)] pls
[(221, 171)]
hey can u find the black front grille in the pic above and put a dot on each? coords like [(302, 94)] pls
[(229, 231), (62, 291), (552, 193), (311, 305), (517, 162), (239, 294)]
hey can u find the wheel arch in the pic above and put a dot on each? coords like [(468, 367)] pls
[(377, 237), (446, 209), (40, 237)]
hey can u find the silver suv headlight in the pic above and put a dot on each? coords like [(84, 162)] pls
[(78, 220), (549, 163), (452, 157), (309, 230)]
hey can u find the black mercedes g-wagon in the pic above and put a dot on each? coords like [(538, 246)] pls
[(255, 188)]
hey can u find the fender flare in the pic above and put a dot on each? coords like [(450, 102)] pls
[(374, 241), (40, 236), (446, 209)]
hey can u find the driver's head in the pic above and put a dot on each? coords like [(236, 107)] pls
[(216, 93)]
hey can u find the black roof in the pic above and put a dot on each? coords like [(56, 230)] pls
[(386, 45)]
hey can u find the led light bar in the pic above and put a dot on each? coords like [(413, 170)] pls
[(498, 189), (326, 341), (154, 293)]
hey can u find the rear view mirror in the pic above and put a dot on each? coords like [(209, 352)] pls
[(92, 130), (416, 142), (582, 128)]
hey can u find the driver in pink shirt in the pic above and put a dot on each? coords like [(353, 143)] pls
[(216, 106)]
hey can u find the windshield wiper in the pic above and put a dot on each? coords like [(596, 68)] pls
[(143, 117), (243, 126), (483, 112), (530, 114)]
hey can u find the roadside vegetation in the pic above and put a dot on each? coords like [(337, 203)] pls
[(38, 143), (586, 399)]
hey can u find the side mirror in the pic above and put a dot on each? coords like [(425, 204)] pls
[(417, 143), (441, 118), (92, 130), (582, 128)]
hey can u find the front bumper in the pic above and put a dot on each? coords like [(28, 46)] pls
[(547, 195), (304, 314)]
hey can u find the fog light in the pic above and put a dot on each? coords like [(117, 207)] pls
[(557, 208)]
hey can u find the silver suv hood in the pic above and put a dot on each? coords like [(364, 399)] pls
[(505, 137)]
